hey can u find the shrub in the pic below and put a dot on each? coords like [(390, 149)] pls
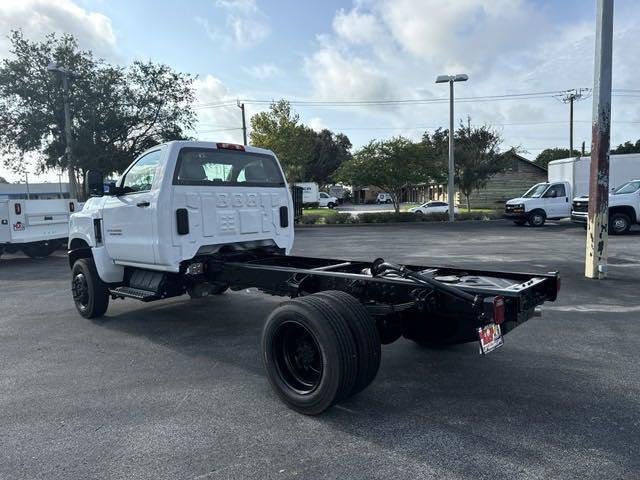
[(310, 219), (311, 205), (339, 218)]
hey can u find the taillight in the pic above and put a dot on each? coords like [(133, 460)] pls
[(230, 146), (498, 309), (18, 208), (72, 207)]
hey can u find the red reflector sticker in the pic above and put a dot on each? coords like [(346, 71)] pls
[(498, 310)]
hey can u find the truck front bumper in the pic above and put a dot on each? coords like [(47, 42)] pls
[(580, 218), (515, 215)]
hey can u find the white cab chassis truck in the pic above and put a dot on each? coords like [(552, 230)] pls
[(568, 179), (35, 227), (199, 218)]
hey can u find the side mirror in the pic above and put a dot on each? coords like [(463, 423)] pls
[(110, 188), (94, 184)]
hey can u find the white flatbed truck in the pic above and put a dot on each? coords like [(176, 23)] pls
[(199, 218)]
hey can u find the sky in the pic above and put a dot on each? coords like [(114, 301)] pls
[(363, 50)]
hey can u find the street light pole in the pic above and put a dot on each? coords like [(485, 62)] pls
[(451, 185), (56, 69), (244, 122)]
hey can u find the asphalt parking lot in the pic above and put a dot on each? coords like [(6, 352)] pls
[(175, 389)]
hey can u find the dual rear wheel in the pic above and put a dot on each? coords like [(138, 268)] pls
[(319, 350)]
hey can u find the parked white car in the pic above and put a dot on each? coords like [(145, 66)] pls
[(433, 206), (327, 200)]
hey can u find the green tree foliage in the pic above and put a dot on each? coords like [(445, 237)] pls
[(305, 155), (390, 165), (550, 154), (116, 112), (477, 156), (627, 147)]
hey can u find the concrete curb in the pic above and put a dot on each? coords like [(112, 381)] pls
[(320, 225)]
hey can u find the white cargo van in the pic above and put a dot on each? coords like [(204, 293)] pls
[(36, 227), (568, 179)]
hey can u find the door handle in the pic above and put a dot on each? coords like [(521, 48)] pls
[(143, 204)]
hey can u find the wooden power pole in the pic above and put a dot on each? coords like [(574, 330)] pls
[(597, 228)]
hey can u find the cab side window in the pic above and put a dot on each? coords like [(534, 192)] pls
[(140, 176), (555, 191)]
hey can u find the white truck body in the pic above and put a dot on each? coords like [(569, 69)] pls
[(225, 208), (624, 208), (24, 222), (569, 178), (310, 192)]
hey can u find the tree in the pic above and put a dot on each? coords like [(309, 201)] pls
[(477, 156), (304, 154), (389, 165), (3, 180), (550, 154), (117, 112), (280, 131), (627, 147)]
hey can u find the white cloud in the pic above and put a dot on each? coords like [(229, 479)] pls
[(263, 71), (337, 77), (316, 123), (220, 123), (37, 18), (357, 27), (246, 24)]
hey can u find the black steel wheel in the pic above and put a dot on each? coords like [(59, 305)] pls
[(537, 218), (619, 224), (309, 354), (365, 334), (90, 293)]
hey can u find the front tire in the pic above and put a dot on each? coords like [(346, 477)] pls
[(331, 205), (90, 293), (537, 218), (619, 224), (309, 354)]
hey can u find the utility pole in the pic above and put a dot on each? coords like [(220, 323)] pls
[(244, 122), (450, 79), (64, 73), (597, 226), (571, 96)]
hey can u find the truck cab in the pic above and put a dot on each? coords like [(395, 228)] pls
[(624, 208), (546, 200), (180, 200)]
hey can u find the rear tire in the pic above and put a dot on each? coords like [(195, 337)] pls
[(619, 224), (365, 333), (90, 293), (309, 354), (537, 218)]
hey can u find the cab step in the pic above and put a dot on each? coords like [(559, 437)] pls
[(137, 293)]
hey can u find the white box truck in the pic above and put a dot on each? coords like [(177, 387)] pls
[(568, 178), (35, 227)]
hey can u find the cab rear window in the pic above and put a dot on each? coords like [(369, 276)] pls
[(209, 166)]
